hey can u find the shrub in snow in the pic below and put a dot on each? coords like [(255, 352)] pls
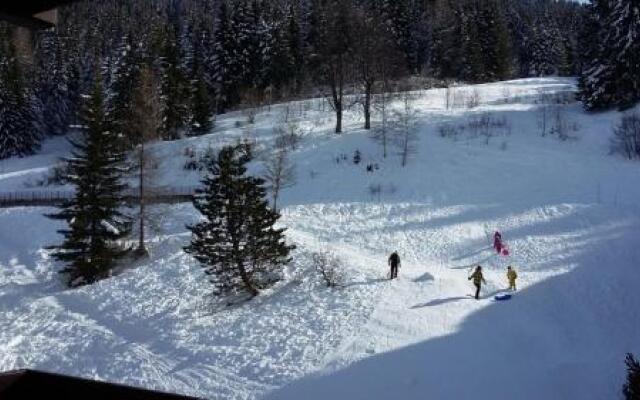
[(473, 99), (357, 157), (329, 267), (487, 126), (631, 389), (288, 135), (626, 136), (375, 190), (448, 131), (560, 124), (252, 102)]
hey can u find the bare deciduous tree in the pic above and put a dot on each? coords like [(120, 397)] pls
[(405, 124), (382, 132), (375, 57), (332, 56), (279, 173), (288, 134), (146, 123)]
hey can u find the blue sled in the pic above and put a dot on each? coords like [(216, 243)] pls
[(502, 297)]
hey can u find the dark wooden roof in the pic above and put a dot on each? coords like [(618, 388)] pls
[(27, 8), (26, 384), (21, 12)]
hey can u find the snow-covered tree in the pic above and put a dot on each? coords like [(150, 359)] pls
[(52, 85), (18, 130), (612, 77), (236, 243), (175, 88), (548, 54)]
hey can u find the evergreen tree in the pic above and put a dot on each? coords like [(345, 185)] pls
[(175, 89), (548, 54), (94, 216), (631, 389), (124, 75), (495, 41), (612, 76), (223, 65), (52, 85), (295, 51), (472, 61), (18, 131), (201, 108), (237, 243)]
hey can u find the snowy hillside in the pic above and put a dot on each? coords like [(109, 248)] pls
[(567, 209)]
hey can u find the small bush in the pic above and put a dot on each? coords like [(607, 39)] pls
[(626, 136), (473, 99), (330, 268), (288, 135), (484, 125), (449, 131)]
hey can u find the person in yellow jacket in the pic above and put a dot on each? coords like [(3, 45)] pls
[(478, 280), (512, 275)]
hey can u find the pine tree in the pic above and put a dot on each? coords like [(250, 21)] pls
[(495, 41), (631, 389), (94, 216), (175, 89), (295, 51), (223, 65), (548, 54), (201, 109), (472, 62), (237, 243), (612, 77), (124, 75), (52, 84)]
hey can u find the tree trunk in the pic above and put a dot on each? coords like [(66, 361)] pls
[(405, 149), (245, 279), (141, 248), (339, 117), (367, 106)]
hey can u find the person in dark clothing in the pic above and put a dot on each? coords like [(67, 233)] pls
[(478, 280), (394, 263)]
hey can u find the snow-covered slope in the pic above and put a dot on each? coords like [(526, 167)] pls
[(566, 209)]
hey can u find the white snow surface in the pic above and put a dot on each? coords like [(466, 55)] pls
[(567, 210)]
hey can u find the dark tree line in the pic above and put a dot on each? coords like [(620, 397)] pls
[(611, 74), (209, 56)]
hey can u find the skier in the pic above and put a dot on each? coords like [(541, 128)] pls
[(512, 275), (478, 280), (394, 263), (497, 242)]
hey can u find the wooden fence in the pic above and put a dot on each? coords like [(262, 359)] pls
[(45, 198)]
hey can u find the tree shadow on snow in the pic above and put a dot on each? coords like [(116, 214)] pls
[(426, 277), (439, 302), (366, 283)]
